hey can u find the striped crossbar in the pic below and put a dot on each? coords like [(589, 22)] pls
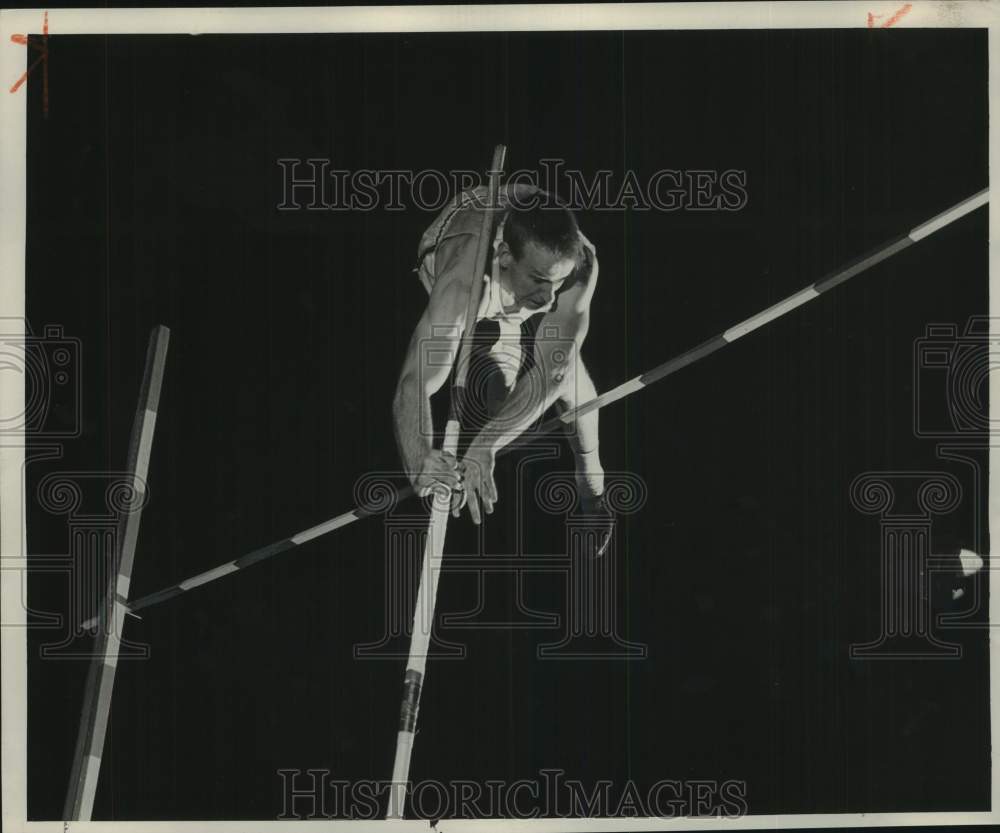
[(263, 553), (669, 367), (754, 322)]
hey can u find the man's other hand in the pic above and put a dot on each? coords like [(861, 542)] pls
[(477, 465)]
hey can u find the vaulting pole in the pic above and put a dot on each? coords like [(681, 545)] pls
[(856, 267), (423, 614)]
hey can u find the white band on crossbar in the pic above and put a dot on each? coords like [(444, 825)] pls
[(768, 315)]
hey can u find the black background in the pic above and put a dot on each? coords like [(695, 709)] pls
[(152, 193)]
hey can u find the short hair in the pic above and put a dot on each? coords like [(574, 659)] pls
[(549, 225)]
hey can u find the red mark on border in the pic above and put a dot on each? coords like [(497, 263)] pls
[(42, 59), (892, 21)]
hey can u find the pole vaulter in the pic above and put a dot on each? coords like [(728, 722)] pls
[(754, 322)]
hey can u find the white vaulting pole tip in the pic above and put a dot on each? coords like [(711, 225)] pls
[(400, 774), (971, 562)]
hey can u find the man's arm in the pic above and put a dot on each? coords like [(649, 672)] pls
[(428, 363)]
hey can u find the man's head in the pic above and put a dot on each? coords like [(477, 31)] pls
[(539, 251)]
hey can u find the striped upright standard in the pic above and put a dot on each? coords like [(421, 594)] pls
[(86, 768)]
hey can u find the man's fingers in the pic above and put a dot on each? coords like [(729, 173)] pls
[(459, 497), (474, 508), (489, 493)]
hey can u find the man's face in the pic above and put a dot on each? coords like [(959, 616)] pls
[(537, 276)]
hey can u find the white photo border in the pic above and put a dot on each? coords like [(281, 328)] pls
[(455, 18)]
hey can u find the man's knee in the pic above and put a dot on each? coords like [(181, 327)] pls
[(496, 393), (567, 386)]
